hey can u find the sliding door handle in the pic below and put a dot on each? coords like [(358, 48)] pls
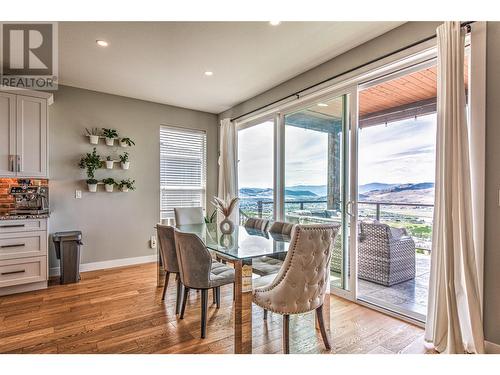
[(348, 207)]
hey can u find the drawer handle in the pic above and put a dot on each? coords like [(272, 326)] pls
[(12, 226), (13, 245), (12, 272)]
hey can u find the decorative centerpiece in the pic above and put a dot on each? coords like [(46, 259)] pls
[(225, 208)]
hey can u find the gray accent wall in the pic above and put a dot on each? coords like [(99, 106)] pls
[(400, 37), (114, 225)]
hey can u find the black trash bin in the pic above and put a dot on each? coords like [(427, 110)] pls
[(67, 245)]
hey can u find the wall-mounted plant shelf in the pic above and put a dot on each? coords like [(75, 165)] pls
[(123, 186), (117, 142)]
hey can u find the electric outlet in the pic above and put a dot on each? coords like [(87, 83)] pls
[(78, 194), (152, 242)]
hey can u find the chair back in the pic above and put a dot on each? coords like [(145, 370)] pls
[(166, 241), (195, 262), (188, 215), (259, 224), (374, 231), (281, 227), (301, 283)]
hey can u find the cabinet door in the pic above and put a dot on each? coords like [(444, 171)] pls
[(7, 134), (31, 137)]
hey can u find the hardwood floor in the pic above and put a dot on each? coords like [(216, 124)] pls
[(120, 311)]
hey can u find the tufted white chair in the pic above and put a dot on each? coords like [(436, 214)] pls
[(301, 283)]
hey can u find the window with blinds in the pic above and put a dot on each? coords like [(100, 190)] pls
[(182, 169)]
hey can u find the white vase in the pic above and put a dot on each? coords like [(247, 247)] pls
[(123, 144), (110, 141), (125, 165), (109, 164), (125, 189), (109, 187), (94, 139), (92, 187)]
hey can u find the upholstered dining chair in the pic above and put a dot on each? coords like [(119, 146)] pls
[(301, 283), (168, 254), (188, 215), (199, 271), (259, 224)]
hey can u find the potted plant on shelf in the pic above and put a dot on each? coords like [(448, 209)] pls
[(93, 135), (126, 185), (110, 135), (109, 162), (126, 142), (124, 161), (92, 185), (109, 184), (91, 162)]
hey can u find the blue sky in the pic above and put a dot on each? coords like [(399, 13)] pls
[(399, 152)]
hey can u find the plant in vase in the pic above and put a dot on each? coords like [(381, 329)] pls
[(211, 219), (126, 142), (92, 185), (109, 162), (109, 184), (126, 185), (124, 161), (110, 135), (226, 208), (93, 135), (90, 162)]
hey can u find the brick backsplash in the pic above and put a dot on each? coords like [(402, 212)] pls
[(6, 200)]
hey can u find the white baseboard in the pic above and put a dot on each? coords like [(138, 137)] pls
[(491, 347), (109, 264)]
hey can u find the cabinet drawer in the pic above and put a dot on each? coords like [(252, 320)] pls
[(22, 245), (14, 226), (22, 271)]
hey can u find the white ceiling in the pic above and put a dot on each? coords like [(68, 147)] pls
[(165, 62)]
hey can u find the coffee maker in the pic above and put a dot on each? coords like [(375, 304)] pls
[(30, 199)]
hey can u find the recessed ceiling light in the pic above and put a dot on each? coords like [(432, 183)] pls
[(274, 23), (322, 105), (209, 73), (101, 43)]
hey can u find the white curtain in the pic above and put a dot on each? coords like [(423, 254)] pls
[(454, 323), (228, 164)]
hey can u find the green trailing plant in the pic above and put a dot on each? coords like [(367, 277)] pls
[(128, 183), (90, 162), (129, 142), (124, 157), (93, 131), (109, 133), (211, 218), (92, 181), (109, 181)]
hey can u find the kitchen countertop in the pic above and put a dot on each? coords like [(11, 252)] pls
[(6, 216)]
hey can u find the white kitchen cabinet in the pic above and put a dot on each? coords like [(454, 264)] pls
[(24, 129)]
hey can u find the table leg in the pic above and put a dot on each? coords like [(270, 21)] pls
[(243, 307)]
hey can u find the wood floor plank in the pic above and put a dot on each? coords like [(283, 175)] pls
[(120, 311)]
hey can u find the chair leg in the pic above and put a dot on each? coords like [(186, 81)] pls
[(321, 322), (214, 293), (265, 314), (234, 291), (204, 310), (165, 286), (184, 299), (286, 334), (179, 296), (217, 296)]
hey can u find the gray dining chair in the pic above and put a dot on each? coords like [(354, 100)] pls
[(199, 271), (188, 215), (259, 224), (166, 242), (301, 283)]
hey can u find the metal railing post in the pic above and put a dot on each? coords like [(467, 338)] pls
[(378, 212), (259, 209)]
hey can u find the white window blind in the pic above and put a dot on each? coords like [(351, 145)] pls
[(182, 169)]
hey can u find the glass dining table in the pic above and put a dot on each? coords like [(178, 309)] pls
[(238, 249)]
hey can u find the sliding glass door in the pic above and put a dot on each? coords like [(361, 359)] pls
[(316, 174)]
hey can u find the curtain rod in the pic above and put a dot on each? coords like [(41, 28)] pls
[(297, 93)]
